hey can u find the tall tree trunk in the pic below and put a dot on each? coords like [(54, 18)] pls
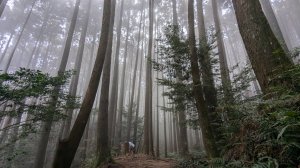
[(39, 39), (157, 96), (180, 109), (77, 68), (19, 37), (183, 140), (14, 137), (103, 145), (209, 90), (5, 132), (165, 126), (86, 139), (148, 134), (269, 12), (201, 105), (2, 6), (139, 89), (225, 78), (67, 148), (264, 51), (122, 90), (7, 46), (175, 16), (176, 132), (130, 107), (197, 138), (171, 141), (112, 108), (40, 156), (45, 64)]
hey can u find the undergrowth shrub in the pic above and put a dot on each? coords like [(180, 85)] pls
[(263, 131)]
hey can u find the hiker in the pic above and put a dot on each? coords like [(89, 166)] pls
[(131, 147)]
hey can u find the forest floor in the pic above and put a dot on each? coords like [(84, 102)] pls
[(141, 161)]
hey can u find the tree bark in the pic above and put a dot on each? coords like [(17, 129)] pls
[(165, 126), (19, 37), (225, 78), (77, 68), (2, 6), (5, 132), (269, 12), (148, 134), (103, 145), (157, 96), (67, 148), (171, 141), (6, 46), (209, 90), (14, 137), (264, 51), (112, 108), (122, 92), (130, 107), (201, 105), (139, 89), (180, 108), (176, 132), (40, 36), (40, 157)]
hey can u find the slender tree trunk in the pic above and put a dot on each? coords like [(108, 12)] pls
[(183, 141), (40, 36), (130, 108), (19, 37), (112, 108), (40, 157), (175, 16), (77, 68), (176, 132), (197, 144), (269, 12), (103, 145), (264, 51), (165, 126), (139, 89), (86, 141), (148, 134), (45, 64), (14, 137), (5, 132), (171, 145), (180, 109), (157, 98), (122, 90), (7, 46), (201, 105), (225, 78), (67, 148), (209, 90), (2, 6)]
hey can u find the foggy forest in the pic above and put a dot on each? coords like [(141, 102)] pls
[(149, 84)]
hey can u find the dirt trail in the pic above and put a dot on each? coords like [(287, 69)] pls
[(142, 161)]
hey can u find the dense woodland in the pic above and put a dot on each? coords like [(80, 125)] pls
[(199, 83)]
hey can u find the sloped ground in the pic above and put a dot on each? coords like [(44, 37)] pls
[(141, 161)]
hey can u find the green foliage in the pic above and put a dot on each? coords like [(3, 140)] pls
[(90, 162), (29, 93), (266, 130), (258, 131), (174, 63), (263, 131)]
